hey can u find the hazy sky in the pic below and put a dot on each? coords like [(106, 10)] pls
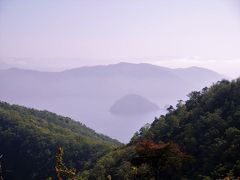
[(175, 33)]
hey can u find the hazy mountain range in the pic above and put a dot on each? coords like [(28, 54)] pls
[(87, 93)]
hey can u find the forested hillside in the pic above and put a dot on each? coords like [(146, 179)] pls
[(29, 140), (199, 139)]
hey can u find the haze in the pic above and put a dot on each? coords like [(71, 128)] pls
[(58, 34), (116, 100)]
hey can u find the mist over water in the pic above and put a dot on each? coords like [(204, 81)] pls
[(87, 94), (117, 127), (96, 115)]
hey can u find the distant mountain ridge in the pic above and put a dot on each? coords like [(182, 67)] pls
[(87, 93)]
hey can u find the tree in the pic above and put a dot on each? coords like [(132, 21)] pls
[(164, 158), (1, 172), (61, 170), (170, 108)]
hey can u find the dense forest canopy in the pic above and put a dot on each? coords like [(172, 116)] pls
[(202, 136), (196, 139), (29, 140)]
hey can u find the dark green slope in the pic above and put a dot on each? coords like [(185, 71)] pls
[(30, 138), (206, 128)]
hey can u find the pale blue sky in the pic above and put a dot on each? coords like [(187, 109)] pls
[(108, 31)]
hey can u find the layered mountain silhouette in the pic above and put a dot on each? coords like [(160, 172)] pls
[(87, 93)]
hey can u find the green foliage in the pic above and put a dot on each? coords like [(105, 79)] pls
[(61, 170), (116, 164), (199, 139), (30, 138), (206, 128)]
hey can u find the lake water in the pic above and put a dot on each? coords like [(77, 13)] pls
[(94, 114), (118, 127)]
